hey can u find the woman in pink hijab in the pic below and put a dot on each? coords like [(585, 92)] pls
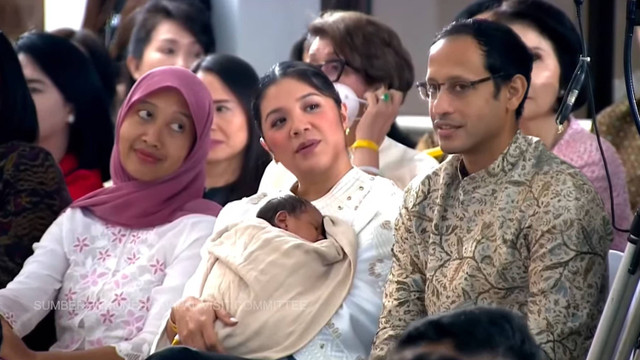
[(112, 265)]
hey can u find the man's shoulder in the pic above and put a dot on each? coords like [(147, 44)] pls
[(553, 178)]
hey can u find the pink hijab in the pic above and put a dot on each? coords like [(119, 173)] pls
[(136, 204)]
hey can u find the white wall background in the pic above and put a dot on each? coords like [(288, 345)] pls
[(261, 31), (63, 14)]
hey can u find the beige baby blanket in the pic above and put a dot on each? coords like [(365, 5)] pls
[(281, 288)]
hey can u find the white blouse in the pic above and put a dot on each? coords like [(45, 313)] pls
[(370, 204), (109, 285), (397, 163)]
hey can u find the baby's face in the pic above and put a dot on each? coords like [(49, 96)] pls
[(307, 224)]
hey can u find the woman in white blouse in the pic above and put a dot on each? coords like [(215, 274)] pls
[(114, 263), (362, 54), (302, 121)]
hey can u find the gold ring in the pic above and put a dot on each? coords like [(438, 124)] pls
[(385, 97)]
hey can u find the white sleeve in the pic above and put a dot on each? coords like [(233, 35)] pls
[(30, 296), (402, 164), (166, 295)]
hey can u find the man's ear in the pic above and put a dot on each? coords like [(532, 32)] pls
[(516, 90), (133, 65), (267, 149), (282, 220)]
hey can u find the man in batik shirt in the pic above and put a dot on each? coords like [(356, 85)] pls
[(503, 222)]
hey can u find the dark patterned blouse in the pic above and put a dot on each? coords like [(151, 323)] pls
[(32, 195)]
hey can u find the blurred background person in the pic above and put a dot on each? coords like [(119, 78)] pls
[(236, 161), (469, 334), (168, 32), (32, 189), (73, 110), (556, 46), (94, 48)]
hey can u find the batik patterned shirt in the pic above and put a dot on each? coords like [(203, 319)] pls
[(529, 233)]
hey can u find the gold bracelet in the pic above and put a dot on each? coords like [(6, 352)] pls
[(367, 144)]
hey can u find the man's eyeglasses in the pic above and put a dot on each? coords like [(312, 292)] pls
[(455, 88), (332, 68)]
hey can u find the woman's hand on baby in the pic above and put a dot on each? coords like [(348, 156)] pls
[(195, 320)]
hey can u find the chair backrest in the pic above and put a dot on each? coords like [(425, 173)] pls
[(615, 258)]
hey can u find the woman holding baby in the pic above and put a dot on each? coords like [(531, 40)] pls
[(302, 122)]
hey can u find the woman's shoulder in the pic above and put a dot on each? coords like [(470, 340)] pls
[(244, 208), (33, 170), (579, 147), (21, 153), (193, 222)]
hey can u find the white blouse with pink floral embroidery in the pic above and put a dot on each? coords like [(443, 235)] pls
[(110, 286)]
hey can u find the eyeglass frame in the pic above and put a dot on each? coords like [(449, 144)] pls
[(422, 85), (343, 63)]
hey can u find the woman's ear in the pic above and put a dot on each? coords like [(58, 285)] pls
[(281, 220), (344, 118), (133, 65), (267, 149)]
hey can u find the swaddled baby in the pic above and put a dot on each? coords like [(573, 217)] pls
[(282, 275)]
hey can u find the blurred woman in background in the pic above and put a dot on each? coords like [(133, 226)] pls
[(73, 110), (236, 161), (32, 189)]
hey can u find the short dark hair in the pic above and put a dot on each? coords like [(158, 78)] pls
[(107, 70), (476, 8), (291, 204), (18, 117), (371, 47), (297, 70), (474, 331), (242, 80), (504, 52), (553, 24), (188, 13), (91, 135)]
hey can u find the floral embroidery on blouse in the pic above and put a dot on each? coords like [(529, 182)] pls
[(100, 280)]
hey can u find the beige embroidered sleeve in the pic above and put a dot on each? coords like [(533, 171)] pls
[(403, 300), (568, 237)]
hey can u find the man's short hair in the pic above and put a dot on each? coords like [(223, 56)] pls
[(495, 332), (504, 52)]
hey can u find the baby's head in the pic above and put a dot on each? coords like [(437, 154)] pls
[(295, 215)]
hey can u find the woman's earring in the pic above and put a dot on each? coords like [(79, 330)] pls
[(71, 119)]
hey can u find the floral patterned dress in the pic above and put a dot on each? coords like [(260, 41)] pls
[(107, 285)]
